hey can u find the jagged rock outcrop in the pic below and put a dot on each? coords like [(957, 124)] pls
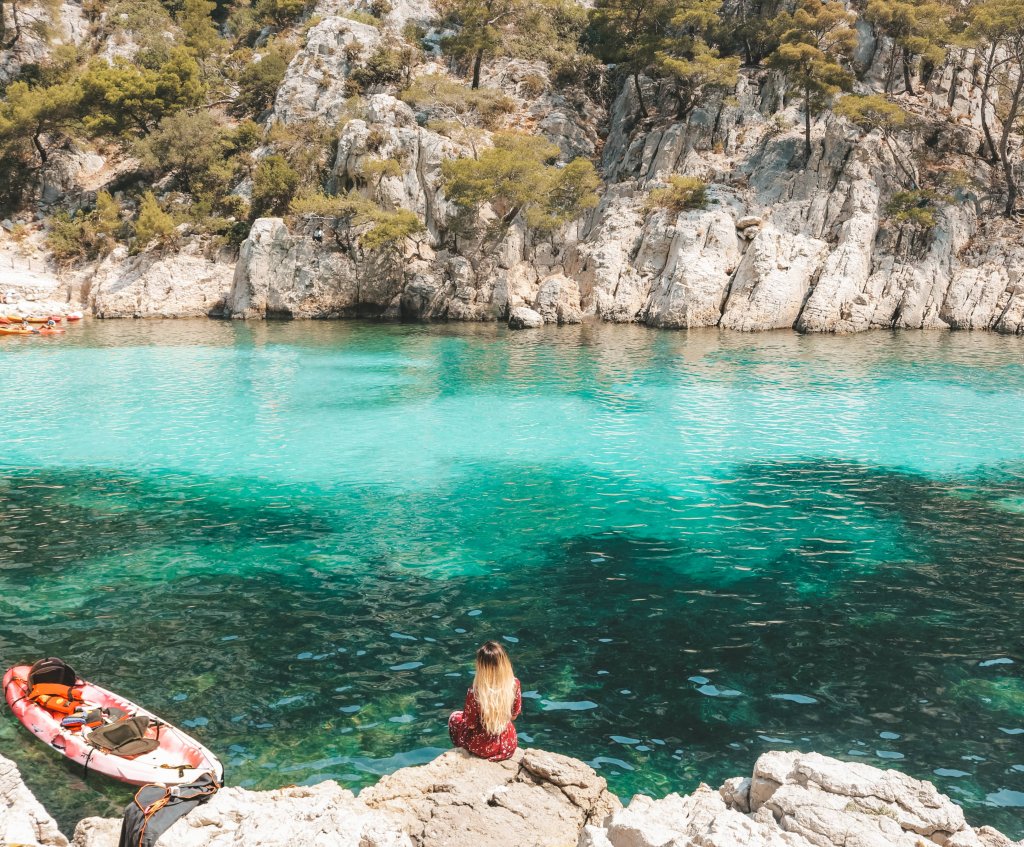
[(461, 801), (23, 820), (798, 800), (825, 253), (782, 243), (540, 799), (523, 318), (323, 815), (30, 46), (315, 84), (169, 284), (455, 801)]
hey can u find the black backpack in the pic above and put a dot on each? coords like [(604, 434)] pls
[(52, 671)]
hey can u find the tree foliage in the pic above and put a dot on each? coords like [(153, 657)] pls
[(547, 29), (85, 235), (999, 26), (258, 83), (815, 41), (518, 174), (875, 112), (378, 228), (274, 183), (918, 28), (629, 33), (153, 224), (680, 195), (131, 97)]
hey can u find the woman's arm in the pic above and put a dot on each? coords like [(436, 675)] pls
[(517, 703)]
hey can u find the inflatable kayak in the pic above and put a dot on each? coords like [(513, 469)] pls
[(50, 330), (108, 734)]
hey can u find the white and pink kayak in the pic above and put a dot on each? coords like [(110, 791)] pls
[(177, 759)]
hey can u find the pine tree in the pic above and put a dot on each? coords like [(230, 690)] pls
[(876, 112), (918, 28), (815, 40), (153, 223), (481, 28), (1000, 25), (690, 56), (196, 22), (629, 33)]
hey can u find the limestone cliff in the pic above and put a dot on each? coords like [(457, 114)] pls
[(784, 240)]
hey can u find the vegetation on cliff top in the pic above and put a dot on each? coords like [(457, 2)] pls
[(181, 93)]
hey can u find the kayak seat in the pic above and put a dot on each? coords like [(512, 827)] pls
[(125, 738)]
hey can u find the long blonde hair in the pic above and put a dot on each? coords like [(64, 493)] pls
[(494, 687)]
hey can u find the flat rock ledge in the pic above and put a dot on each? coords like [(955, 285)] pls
[(540, 799)]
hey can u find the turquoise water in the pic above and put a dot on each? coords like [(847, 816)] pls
[(290, 538)]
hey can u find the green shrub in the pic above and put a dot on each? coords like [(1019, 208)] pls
[(273, 185), (681, 194), (360, 17), (85, 235), (388, 64), (152, 224), (442, 95), (258, 84), (381, 228), (519, 174), (916, 209), (374, 170)]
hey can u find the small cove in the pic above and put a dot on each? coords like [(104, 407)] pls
[(290, 538)]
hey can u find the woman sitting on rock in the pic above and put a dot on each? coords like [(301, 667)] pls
[(484, 726)]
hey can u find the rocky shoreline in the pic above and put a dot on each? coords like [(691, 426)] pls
[(542, 799), (784, 240)]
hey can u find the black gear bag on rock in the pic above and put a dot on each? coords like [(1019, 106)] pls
[(156, 807)]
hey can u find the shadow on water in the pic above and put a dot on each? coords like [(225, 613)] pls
[(677, 597)]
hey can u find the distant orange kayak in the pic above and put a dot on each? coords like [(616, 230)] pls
[(16, 330)]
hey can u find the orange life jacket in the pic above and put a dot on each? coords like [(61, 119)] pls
[(62, 699)]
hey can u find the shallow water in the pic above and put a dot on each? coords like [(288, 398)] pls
[(290, 537)]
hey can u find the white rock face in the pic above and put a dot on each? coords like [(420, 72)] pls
[(154, 285), (540, 799), (785, 240), (461, 801), (23, 820), (772, 281), (324, 815), (455, 801), (314, 85), (524, 318), (558, 300), (798, 800)]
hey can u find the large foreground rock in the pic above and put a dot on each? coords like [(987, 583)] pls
[(23, 820), (455, 801), (798, 800), (461, 801)]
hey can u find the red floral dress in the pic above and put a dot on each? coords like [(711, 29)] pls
[(466, 731)]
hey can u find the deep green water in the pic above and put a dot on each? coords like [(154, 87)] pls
[(697, 546)]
